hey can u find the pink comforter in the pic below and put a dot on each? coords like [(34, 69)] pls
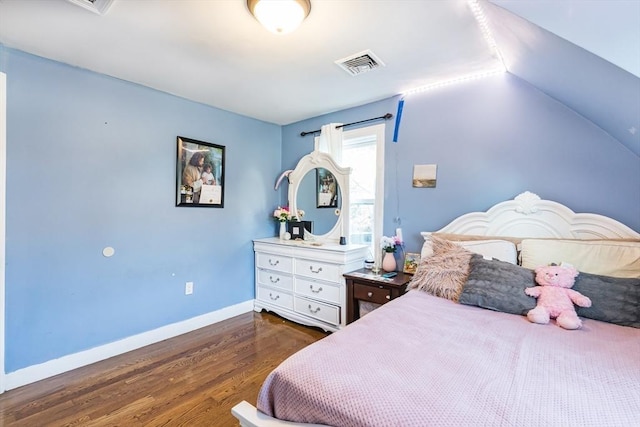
[(425, 361)]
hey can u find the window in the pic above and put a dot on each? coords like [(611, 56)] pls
[(363, 151)]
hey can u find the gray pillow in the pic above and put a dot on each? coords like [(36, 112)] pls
[(613, 299), (498, 285)]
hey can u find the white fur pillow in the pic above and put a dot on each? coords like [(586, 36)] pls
[(444, 272), (503, 250)]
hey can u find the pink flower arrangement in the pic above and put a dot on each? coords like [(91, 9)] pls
[(282, 214), (389, 244)]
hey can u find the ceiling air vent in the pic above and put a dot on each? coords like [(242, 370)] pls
[(96, 6), (360, 63)]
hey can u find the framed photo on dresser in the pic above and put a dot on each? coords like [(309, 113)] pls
[(411, 261)]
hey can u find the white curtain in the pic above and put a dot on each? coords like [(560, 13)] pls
[(330, 141)]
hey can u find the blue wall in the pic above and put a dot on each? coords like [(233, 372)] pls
[(91, 162), (491, 139)]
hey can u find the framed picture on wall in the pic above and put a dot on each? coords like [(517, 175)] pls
[(326, 189), (199, 174), (424, 176)]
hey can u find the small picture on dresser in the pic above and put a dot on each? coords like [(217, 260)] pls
[(296, 229), (411, 261)]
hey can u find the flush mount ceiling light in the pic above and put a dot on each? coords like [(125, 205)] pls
[(280, 16), (96, 6)]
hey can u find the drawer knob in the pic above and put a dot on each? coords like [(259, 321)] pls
[(312, 310), (272, 297), (388, 297), (274, 263), (274, 281), (315, 291), (369, 294), (316, 271)]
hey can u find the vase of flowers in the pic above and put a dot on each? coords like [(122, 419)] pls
[(283, 215), (389, 246)]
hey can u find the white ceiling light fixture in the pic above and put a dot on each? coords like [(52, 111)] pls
[(96, 6), (280, 16)]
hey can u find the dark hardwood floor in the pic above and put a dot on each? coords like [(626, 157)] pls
[(190, 380)]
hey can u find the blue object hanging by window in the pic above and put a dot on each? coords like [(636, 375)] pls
[(398, 118)]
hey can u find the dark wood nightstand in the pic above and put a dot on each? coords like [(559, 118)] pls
[(364, 285)]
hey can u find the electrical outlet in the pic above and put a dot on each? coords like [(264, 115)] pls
[(188, 288)]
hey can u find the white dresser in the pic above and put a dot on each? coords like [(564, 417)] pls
[(303, 282)]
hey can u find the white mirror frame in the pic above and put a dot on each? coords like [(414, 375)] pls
[(318, 159)]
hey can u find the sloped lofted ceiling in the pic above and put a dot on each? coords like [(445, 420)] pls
[(594, 69), (215, 52)]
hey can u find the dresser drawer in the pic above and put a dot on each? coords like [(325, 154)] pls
[(274, 279), (318, 270), (274, 262), (371, 293), (318, 310), (275, 297), (318, 290)]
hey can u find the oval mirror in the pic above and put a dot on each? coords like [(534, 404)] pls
[(319, 187), (319, 197)]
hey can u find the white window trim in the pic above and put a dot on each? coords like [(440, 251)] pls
[(3, 186)]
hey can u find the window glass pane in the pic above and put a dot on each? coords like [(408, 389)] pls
[(360, 155), (361, 224), (362, 159)]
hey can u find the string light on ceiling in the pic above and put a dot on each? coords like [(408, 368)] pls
[(498, 68)]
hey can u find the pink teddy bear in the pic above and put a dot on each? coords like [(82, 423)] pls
[(555, 298)]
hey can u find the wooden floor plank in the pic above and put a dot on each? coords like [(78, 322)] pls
[(190, 380)]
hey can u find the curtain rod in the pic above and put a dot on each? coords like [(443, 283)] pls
[(386, 117)]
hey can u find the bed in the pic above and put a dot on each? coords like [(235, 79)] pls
[(457, 349)]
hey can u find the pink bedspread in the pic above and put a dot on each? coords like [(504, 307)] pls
[(425, 361)]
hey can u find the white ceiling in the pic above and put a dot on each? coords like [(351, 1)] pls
[(216, 53)]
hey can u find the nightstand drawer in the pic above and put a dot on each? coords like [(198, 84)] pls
[(318, 290), (325, 312), (274, 279), (274, 262), (275, 297), (371, 293), (318, 270)]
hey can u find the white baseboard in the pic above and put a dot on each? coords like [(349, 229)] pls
[(53, 367)]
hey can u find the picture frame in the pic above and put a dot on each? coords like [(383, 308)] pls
[(200, 170), (411, 261), (425, 176), (296, 229), (326, 189), (308, 226)]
